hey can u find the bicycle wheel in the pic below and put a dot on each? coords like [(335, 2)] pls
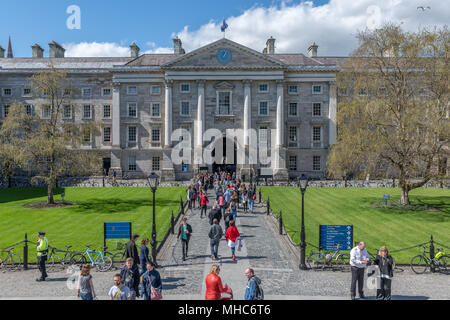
[(77, 260), (103, 263), (50, 264), (12, 263), (118, 260), (342, 261), (314, 262), (419, 264), (443, 263)]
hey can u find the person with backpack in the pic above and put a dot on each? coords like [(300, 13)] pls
[(131, 278), (253, 290), (215, 213), (227, 218), (215, 234), (185, 232), (119, 291), (151, 283)]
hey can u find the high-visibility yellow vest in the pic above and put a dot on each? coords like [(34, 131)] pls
[(42, 246)]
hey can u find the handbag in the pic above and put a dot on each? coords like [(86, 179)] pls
[(155, 294), (231, 244), (240, 244)]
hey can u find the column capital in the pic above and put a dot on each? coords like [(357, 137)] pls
[(116, 85), (247, 82), (280, 82), (201, 82), (168, 83)]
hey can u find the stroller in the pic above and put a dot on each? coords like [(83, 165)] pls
[(228, 295)]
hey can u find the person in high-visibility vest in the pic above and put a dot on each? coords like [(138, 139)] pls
[(42, 250)]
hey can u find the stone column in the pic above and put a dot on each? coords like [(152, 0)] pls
[(200, 112), (280, 172), (247, 112), (168, 114), (116, 153), (332, 114)]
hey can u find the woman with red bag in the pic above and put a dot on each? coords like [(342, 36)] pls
[(214, 287), (232, 235)]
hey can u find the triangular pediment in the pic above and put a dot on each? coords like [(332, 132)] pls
[(208, 57), (224, 85)]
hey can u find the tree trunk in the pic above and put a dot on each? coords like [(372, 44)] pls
[(50, 199), (405, 196)]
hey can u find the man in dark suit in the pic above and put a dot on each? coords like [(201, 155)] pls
[(131, 250)]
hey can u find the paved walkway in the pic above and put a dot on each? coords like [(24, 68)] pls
[(262, 250)]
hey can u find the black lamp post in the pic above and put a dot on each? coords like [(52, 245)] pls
[(153, 180), (303, 184)]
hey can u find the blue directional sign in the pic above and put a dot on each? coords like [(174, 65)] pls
[(117, 230), (332, 236)]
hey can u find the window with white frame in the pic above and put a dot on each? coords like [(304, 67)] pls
[(185, 87), (263, 87), (132, 110), (316, 89), (107, 134), (263, 134), (185, 108), (156, 164), (132, 90), (317, 134), (67, 112), (26, 92), (317, 109), (293, 89), (86, 92), (106, 92), (107, 111), (86, 135), (29, 109), (156, 90), (292, 112), (46, 112), (293, 163), (87, 114), (132, 134), (293, 134), (224, 102), (156, 134), (5, 110), (264, 108), (7, 92), (184, 167), (156, 110), (316, 163), (132, 163)]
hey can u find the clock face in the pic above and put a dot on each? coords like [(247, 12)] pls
[(224, 55)]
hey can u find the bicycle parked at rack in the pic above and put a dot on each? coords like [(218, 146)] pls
[(117, 256), (97, 259), (9, 261), (54, 259), (321, 259), (420, 263)]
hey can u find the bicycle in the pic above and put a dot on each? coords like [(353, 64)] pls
[(101, 262), (420, 263), (372, 259), (11, 262), (321, 259), (118, 258), (53, 257)]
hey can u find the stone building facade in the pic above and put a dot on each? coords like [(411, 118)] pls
[(287, 100)]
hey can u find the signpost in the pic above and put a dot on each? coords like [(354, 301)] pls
[(386, 198), (116, 230), (330, 236)]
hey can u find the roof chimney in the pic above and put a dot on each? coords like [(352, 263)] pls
[(270, 46), (134, 50), (2, 52), (56, 50), (37, 51), (312, 50), (178, 46)]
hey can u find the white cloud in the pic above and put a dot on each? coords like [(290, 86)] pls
[(96, 49), (295, 25)]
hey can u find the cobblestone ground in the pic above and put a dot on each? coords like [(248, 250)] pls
[(262, 250)]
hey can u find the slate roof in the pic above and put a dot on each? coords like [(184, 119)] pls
[(64, 63)]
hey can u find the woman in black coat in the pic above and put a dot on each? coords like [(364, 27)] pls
[(385, 263)]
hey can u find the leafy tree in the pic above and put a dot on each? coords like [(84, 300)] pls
[(43, 141), (396, 116)]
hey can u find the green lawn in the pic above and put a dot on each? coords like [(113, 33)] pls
[(82, 223), (395, 228)]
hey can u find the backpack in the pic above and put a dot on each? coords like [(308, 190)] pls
[(129, 278), (259, 292)]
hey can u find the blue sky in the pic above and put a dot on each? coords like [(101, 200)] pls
[(119, 23)]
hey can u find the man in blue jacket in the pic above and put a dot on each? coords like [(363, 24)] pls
[(253, 290)]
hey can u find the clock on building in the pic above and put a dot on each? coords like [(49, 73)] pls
[(224, 55)]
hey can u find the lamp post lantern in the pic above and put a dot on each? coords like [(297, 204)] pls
[(303, 184), (153, 180)]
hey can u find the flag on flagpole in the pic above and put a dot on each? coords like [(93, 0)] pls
[(224, 26)]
